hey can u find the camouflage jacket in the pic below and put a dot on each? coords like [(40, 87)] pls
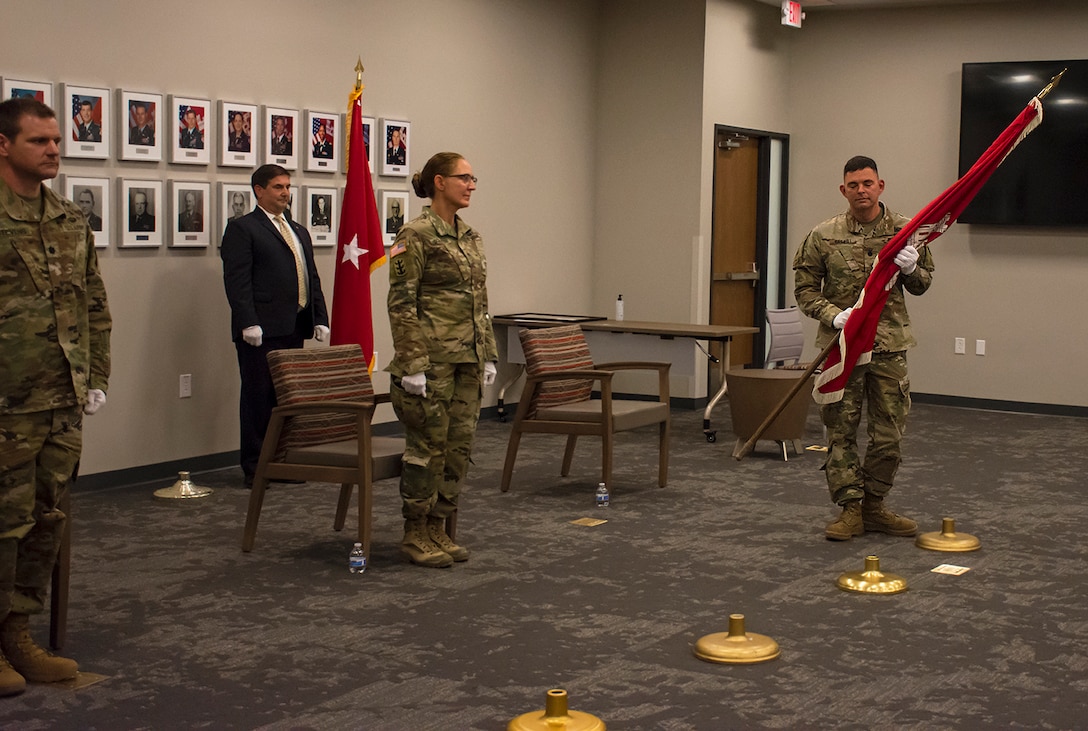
[(438, 296), (832, 265), (54, 319)]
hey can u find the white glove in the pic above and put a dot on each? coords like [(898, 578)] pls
[(96, 397), (489, 373), (321, 333), (253, 335), (415, 384), (907, 259), (841, 318)]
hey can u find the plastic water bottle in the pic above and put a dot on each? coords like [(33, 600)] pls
[(602, 495), (619, 308), (357, 559)]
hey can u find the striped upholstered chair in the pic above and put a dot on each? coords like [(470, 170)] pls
[(560, 378), (320, 431)]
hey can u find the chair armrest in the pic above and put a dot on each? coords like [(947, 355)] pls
[(662, 369), (593, 375), (319, 407)]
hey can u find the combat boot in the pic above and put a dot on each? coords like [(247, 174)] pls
[(847, 525), (11, 683), (436, 531), (876, 517), (31, 661), (418, 547)]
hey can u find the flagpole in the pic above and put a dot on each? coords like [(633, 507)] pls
[(1049, 87)]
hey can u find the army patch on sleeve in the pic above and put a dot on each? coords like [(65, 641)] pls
[(399, 268), (398, 248)]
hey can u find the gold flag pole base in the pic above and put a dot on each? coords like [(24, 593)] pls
[(555, 717), (948, 539), (872, 580), (183, 488), (736, 646)]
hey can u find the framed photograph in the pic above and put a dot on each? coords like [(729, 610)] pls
[(281, 137), (325, 142), (293, 205), (191, 130), (141, 212), (238, 138), (369, 127), (191, 208), (320, 215), (141, 123), (84, 113), (40, 90), (393, 151), (394, 209), (92, 195)]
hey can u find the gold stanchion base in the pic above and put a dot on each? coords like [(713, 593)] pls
[(948, 539), (872, 580), (555, 717), (736, 646), (183, 488)]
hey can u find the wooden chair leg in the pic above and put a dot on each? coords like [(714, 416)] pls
[(568, 454), (62, 570), (663, 455), (256, 500), (511, 457), (342, 505)]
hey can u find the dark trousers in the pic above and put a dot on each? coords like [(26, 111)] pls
[(258, 396)]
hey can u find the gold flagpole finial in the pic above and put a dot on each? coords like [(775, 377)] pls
[(359, 74), (1053, 82)]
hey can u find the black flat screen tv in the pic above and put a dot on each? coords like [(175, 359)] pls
[(1044, 181)]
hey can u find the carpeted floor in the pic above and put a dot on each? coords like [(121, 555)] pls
[(191, 633)]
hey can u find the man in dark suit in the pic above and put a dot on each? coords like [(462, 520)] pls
[(281, 140), (322, 143), (266, 256), (191, 137), (140, 219), (238, 141), (87, 130), (141, 133), (191, 218), (85, 199), (396, 153)]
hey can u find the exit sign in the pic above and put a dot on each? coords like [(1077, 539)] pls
[(791, 13)]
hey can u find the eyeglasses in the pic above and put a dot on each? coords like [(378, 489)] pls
[(466, 178)]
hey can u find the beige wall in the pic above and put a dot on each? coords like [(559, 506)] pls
[(509, 84), (887, 84), (578, 118)]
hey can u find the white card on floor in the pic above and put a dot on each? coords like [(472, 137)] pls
[(947, 568)]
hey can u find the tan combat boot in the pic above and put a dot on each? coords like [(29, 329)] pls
[(418, 547), (847, 525), (11, 683), (31, 661), (876, 517), (436, 530)]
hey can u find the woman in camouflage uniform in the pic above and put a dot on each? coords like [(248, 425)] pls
[(445, 353)]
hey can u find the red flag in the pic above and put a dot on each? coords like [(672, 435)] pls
[(855, 343), (359, 245)]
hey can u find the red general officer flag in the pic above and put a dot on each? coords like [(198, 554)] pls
[(855, 342), (359, 246)]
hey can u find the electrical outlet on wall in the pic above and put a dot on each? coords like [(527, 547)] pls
[(961, 346)]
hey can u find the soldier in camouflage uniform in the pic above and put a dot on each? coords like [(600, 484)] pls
[(54, 367), (830, 270), (445, 353)]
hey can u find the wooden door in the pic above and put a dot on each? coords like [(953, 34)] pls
[(734, 256)]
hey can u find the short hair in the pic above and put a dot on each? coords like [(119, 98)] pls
[(89, 192), (441, 163), (859, 162), (86, 103), (12, 112), (262, 175), (138, 105), (238, 194)]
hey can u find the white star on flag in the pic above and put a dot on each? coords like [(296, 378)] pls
[(353, 252)]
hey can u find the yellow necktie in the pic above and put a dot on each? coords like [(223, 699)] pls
[(300, 269)]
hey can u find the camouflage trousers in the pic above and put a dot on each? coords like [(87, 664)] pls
[(38, 453), (438, 429), (885, 388)]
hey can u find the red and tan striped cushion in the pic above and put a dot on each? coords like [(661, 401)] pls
[(300, 375), (553, 349)]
